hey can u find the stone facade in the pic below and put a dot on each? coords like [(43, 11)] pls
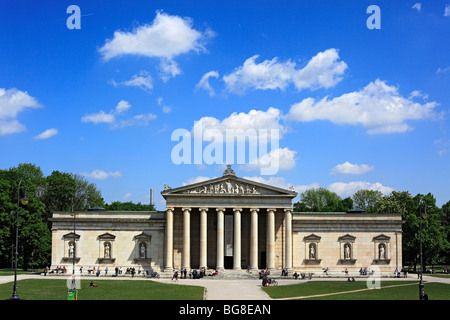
[(228, 223), (108, 239)]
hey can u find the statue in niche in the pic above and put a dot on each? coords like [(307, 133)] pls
[(382, 252), (143, 251), (347, 251), (71, 249), (312, 251), (107, 250)]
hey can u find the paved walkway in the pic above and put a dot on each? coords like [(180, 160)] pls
[(219, 289)]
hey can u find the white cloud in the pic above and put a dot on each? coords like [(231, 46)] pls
[(102, 175), (122, 106), (417, 6), (323, 71), (284, 157), (377, 107), (349, 168), (204, 82), (196, 180), (440, 70), (165, 108), (12, 102), (138, 120), (99, 117), (165, 38), (447, 10), (168, 69), (256, 120), (127, 195), (347, 189), (10, 127), (111, 117), (141, 80), (281, 182), (46, 134)]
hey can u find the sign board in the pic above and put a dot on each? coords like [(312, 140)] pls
[(72, 295)]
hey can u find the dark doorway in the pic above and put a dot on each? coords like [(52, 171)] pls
[(262, 260), (228, 262)]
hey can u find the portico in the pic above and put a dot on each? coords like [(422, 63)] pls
[(228, 223)]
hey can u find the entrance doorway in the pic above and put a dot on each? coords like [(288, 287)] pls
[(228, 262)]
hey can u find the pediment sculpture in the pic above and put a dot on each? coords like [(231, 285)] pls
[(226, 187)]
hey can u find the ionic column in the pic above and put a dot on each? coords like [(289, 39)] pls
[(254, 238), (203, 236), (169, 240), (288, 237), (270, 239), (186, 264), (220, 240), (237, 239)]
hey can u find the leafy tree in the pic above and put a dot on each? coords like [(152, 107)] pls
[(34, 235), (59, 193), (322, 199), (446, 225), (128, 206), (86, 195), (366, 199)]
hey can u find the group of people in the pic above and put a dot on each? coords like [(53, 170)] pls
[(193, 274), (397, 273), (302, 275), (98, 271), (58, 269), (365, 271)]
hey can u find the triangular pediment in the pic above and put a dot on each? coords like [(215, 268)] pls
[(381, 237), (228, 185)]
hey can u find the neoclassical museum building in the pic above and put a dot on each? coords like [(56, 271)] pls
[(227, 223)]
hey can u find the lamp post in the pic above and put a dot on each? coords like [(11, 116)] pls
[(421, 285), (24, 201), (74, 248)]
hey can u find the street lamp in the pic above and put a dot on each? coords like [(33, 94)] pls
[(421, 285), (72, 213), (24, 201)]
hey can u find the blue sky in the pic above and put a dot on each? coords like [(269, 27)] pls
[(356, 108)]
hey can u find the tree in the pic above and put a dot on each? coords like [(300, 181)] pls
[(86, 195), (128, 206), (322, 199), (59, 193), (446, 224), (366, 199), (434, 237), (34, 235)]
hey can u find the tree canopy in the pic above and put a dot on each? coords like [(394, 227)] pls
[(59, 191), (435, 223)]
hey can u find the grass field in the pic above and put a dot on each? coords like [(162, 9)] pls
[(390, 290), (56, 289)]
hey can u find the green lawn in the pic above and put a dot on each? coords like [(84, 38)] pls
[(56, 289), (401, 291)]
